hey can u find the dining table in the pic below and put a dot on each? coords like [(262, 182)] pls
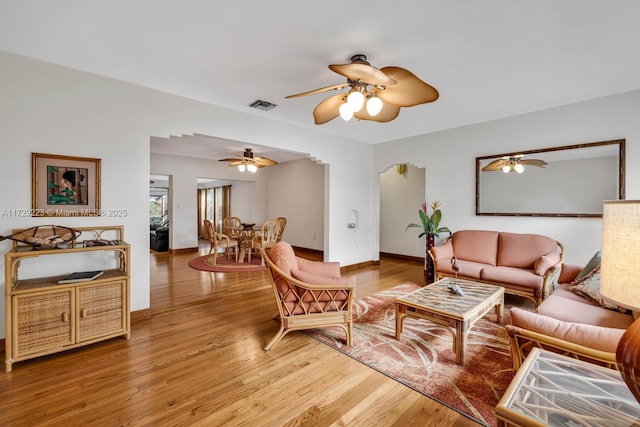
[(245, 237)]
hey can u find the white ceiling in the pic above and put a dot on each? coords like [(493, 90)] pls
[(488, 59)]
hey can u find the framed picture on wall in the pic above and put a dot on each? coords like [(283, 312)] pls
[(64, 185)]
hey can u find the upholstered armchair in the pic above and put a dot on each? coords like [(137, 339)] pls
[(309, 294)]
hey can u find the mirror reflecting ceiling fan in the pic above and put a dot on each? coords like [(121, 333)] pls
[(249, 161), (374, 94), (514, 163)]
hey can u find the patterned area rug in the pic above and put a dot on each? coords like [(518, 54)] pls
[(225, 265), (424, 359)]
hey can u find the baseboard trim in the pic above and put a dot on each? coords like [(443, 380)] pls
[(143, 314), (403, 257), (182, 250)]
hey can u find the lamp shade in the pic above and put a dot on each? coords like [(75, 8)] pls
[(619, 279), (619, 269)]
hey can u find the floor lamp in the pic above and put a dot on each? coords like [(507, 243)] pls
[(620, 279)]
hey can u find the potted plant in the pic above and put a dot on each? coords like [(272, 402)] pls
[(430, 226)]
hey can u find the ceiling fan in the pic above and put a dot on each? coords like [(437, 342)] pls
[(249, 161), (384, 90), (514, 163)]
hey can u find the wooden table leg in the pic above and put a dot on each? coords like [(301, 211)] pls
[(500, 310), (399, 320), (459, 341)]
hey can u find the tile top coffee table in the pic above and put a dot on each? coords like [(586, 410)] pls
[(556, 390), (456, 313)]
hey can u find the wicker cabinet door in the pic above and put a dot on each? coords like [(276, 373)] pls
[(101, 310), (42, 322)]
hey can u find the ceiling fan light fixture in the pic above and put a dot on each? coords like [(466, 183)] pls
[(374, 105), (506, 168), (346, 112), (241, 167), (252, 168), (355, 99), (519, 168)]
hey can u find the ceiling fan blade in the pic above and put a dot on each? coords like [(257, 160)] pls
[(263, 161), (234, 159), (388, 113), (533, 162), (409, 89), (366, 73), (328, 109), (236, 163), (322, 89), (495, 165)]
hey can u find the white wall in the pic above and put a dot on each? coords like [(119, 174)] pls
[(295, 190), (400, 200), (449, 159), (292, 189), (51, 109)]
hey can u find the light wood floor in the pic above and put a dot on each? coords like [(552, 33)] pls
[(199, 360)]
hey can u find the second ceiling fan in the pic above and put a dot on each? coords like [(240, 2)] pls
[(374, 94), (249, 161)]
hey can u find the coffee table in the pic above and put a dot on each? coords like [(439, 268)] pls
[(456, 313), (553, 389)]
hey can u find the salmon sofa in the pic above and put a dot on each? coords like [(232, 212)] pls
[(569, 323), (524, 264)]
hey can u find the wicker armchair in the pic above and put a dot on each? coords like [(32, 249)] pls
[(268, 236), (219, 241), (309, 294)]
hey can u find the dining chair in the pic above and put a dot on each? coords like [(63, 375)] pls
[(283, 223), (219, 241), (231, 226), (267, 237)]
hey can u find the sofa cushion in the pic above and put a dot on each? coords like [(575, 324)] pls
[(593, 263), (563, 290), (512, 275), (476, 245), (596, 337), (589, 287), (444, 251), (545, 262), (569, 310), (522, 250), (468, 269)]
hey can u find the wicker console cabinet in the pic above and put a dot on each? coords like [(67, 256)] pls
[(44, 317)]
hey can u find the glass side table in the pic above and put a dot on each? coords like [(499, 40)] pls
[(554, 390)]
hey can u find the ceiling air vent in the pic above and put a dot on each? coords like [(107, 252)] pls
[(262, 105)]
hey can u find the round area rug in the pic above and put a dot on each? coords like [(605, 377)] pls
[(225, 265)]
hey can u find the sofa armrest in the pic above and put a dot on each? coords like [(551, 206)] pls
[(593, 343), (569, 273), (443, 251)]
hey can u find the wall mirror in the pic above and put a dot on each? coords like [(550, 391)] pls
[(568, 181)]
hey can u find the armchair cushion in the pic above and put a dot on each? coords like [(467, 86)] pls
[(283, 257), (318, 279), (319, 268), (596, 337)]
